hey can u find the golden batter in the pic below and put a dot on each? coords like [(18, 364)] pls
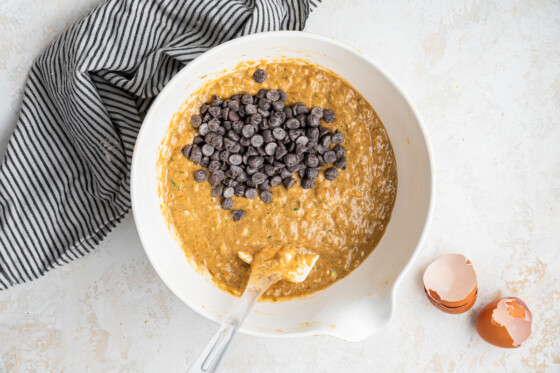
[(341, 220)]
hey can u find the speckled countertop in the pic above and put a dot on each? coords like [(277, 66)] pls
[(485, 76)]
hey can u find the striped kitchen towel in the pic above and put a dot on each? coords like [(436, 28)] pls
[(65, 178)]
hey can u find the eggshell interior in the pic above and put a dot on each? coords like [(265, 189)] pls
[(451, 280)]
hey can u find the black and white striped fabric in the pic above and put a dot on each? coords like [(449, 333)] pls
[(65, 178)]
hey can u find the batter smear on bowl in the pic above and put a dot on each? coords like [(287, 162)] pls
[(338, 211)]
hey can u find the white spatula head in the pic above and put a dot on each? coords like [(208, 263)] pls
[(288, 263)]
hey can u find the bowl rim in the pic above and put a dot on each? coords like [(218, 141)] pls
[(310, 37)]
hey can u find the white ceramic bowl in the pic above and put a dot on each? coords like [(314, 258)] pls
[(354, 307)]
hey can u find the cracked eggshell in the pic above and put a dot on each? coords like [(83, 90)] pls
[(450, 283), (505, 322)]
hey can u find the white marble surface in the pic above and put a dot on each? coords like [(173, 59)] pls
[(486, 78)]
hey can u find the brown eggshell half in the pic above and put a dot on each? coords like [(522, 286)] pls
[(450, 283), (505, 322), (454, 310)]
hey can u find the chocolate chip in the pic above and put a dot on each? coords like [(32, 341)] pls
[(325, 141), (312, 133), (264, 104), (311, 160), (234, 171), (255, 119), (216, 177), (339, 151), (196, 154), (248, 130), (272, 95), (278, 133), (198, 140), (257, 141), (214, 166), (294, 168), (275, 120), (203, 129), (207, 150), (245, 141), (275, 180), (233, 116), (313, 121), (235, 159), (259, 76), (266, 196), (255, 161), (237, 126), (238, 214), (228, 192), (265, 185), (215, 112), (216, 101), (215, 156), (288, 112), (251, 193), (264, 114), (261, 93), (322, 149), (225, 113), (233, 105), (258, 178), (269, 170), (323, 131), (278, 105), (288, 182), (331, 173), (328, 116), (250, 109), (209, 137), (307, 183), (232, 135), (312, 173), (329, 156), (200, 175), (217, 142), (340, 163), (224, 155), (239, 190), (285, 173), (204, 108), (251, 151), (290, 159), (317, 112), (218, 190), (300, 108), (270, 148), (337, 138), (294, 134), (187, 151), (243, 177), (246, 99), (300, 149), (292, 123), (312, 146), (196, 120), (226, 203)]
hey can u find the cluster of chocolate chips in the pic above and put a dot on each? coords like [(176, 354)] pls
[(250, 144)]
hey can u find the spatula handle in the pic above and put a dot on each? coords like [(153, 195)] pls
[(211, 356)]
